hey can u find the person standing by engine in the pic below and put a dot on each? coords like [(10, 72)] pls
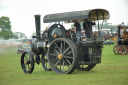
[(88, 27), (77, 28)]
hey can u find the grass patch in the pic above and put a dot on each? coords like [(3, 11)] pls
[(113, 70)]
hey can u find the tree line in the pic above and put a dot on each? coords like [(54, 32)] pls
[(6, 31)]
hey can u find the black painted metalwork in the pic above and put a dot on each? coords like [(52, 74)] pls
[(64, 53)]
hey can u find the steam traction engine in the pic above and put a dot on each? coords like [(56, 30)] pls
[(58, 50), (122, 42)]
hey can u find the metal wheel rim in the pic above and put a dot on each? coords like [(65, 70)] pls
[(115, 49), (27, 67), (45, 64), (68, 63), (122, 50), (85, 67)]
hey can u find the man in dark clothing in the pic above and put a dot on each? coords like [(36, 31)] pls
[(88, 28), (77, 28)]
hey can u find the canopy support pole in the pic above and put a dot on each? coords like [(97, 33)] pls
[(98, 24)]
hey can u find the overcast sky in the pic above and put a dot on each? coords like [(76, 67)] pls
[(21, 12)]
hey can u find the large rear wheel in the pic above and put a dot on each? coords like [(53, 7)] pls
[(62, 56), (85, 67), (45, 63)]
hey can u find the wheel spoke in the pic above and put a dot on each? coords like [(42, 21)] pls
[(49, 65), (63, 64), (46, 64), (68, 57), (68, 53), (25, 65), (57, 62), (28, 67), (53, 54), (61, 48), (57, 46), (55, 59), (68, 62), (60, 65), (66, 50), (64, 46), (57, 52), (26, 57)]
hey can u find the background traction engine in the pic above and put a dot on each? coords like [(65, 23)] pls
[(122, 42)]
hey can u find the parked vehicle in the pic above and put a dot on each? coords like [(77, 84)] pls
[(122, 42)]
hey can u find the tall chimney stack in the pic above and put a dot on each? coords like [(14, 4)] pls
[(37, 23)]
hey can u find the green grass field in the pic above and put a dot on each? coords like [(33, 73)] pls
[(113, 70)]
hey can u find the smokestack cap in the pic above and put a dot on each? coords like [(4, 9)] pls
[(37, 15)]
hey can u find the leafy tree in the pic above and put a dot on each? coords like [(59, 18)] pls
[(6, 31), (19, 35), (5, 28)]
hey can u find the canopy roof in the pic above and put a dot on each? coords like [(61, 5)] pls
[(77, 15)]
